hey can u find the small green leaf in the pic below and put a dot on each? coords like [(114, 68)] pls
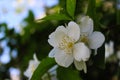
[(55, 17), (70, 7), (67, 74), (43, 67)]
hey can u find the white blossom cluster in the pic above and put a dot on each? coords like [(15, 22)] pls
[(73, 43)]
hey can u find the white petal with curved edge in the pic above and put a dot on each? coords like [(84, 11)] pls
[(52, 40), (56, 40), (86, 25), (63, 59), (73, 30), (53, 52), (96, 39), (81, 52), (59, 35), (80, 65), (52, 35), (61, 28)]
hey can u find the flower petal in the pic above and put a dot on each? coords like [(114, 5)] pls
[(61, 28), (96, 39), (63, 59), (59, 35), (86, 25), (73, 30), (31, 68), (109, 49), (28, 74), (118, 54), (53, 52), (81, 52), (52, 35), (35, 58), (51, 40), (80, 65), (56, 38)]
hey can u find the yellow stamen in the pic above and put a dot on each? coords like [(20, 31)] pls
[(84, 39), (66, 44)]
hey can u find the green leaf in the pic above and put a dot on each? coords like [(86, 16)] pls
[(43, 67), (67, 74), (55, 17), (71, 5)]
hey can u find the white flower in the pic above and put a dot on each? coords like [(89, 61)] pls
[(33, 64), (95, 39), (118, 54), (67, 49), (109, 49)]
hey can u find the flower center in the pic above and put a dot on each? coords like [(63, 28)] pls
[(84, 39), (66, 44)]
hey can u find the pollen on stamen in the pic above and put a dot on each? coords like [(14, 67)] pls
[(66, 44), (70, 45)]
